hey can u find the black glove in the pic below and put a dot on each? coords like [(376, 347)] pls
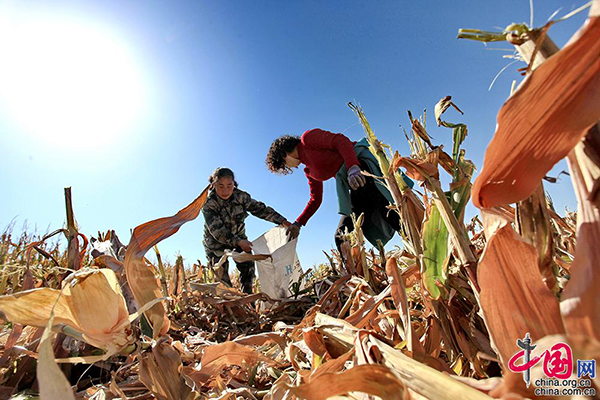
[(293, 231)]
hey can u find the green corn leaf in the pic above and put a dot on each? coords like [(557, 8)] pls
[(461, 185), (436, 251)]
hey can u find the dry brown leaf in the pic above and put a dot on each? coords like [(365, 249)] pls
[(580, 302), (401, 302), (219, 356), (160, 372), (442, 106), (332, 366), (263, 338), (334, 289), (368, 309), (91, 304), (483, 385), (423, 379), (416, 169), (279, 390), (107, 261), (420, 130), (244, 257), (377, 380), (141, 276), (53, 383), (537, 126), (410, 276), (314, 340), (513, 297)]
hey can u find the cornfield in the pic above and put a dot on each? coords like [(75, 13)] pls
[(437, 319)]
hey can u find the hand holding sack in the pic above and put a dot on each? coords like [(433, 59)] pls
[(245, 245), (293, 231)]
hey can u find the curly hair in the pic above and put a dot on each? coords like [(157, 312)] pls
[(278, 151)]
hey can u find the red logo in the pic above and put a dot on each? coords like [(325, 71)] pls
[(557, 361)]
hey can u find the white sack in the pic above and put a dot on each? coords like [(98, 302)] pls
[(276, 274)]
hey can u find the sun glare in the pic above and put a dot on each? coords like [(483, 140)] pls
[(68, 85)]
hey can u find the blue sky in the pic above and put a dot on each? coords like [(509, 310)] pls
[(134, 103)]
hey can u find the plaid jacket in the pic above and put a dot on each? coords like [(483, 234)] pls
[(224, 220)]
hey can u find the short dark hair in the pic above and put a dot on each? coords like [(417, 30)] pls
[(279, 149), (219, 173)]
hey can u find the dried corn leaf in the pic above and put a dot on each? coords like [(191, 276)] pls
[(245, 257), (160, 372), (332, 366), (535, 227), (53, 383), (416, 169), (401, 302), (580, 303), (415, 375), (513, 297), (33, 307), (91, 304), (420, 130), (542, 121), (441, 108), (262, 339), (141, 276), (219, 356), (367, 311), (372, 379), (117, 266), (423, 379), (315, 342)]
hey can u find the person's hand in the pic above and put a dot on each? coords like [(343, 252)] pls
[(355, 178), (293, 231), (245, 245), (286, 224)]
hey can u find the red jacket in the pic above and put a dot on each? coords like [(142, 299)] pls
[(323, 154)]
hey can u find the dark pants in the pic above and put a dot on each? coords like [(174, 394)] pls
[(366, 199), (246, 271)]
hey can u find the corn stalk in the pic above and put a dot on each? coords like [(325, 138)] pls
[(401, 193), (73, 261)]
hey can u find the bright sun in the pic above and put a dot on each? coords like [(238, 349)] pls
[(69, 85)]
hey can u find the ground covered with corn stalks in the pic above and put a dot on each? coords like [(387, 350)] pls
[(436, 319)]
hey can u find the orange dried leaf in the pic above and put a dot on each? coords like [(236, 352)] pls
[(160, 372), (513, 296), (92, 304), (263, 338), (315, 342), (401, 302), (222, 355), (141, 277), (580, 302), (52, 381), (368, 309), (542, 121), (416, 169), (377, 380), (332, 366)]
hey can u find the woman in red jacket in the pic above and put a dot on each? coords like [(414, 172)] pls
[(326, 155)]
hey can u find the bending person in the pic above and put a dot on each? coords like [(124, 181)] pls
[(326, 155), (225, 213)]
